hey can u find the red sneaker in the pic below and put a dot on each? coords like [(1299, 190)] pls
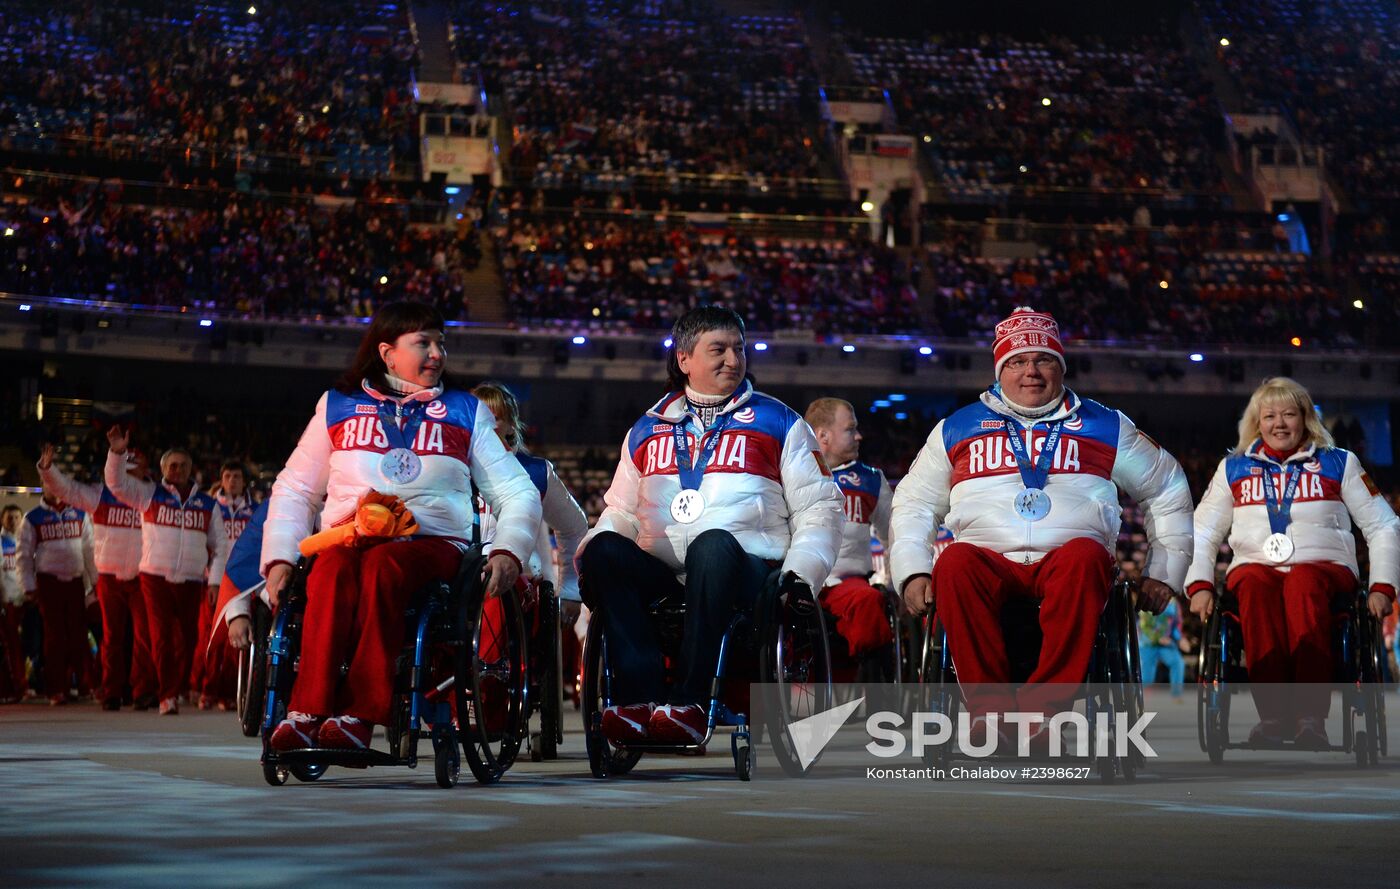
[(679, 724), (170, 707), (346, 733), (627, 724), (297, 732)]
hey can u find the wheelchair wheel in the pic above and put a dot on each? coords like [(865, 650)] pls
[(603, 759), (938, 686), (447, 765), (252, 673), (490, 682), (274, 774), (743, 756), (549, 687), (307, 772), (1213, 688), (794, 663)]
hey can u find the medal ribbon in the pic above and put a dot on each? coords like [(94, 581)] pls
[(1034, 475), (389, 418), (1280, 514), (691, 474)]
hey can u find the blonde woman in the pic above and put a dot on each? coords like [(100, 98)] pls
[(1287, 496)]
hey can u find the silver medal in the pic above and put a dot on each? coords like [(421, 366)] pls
[(1032, 504), (400, 466), (687, 506), (1278, 548)]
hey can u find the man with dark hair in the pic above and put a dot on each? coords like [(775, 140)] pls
[(213, 670), (717, 485)]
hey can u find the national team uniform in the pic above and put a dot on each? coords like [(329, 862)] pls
[(356, 598), (183, 548), (561, 513), (126, 640), (967, 478), (213, 673), (12, 673), (1285, 597), (56, 567), (858, 607), (764, 484)]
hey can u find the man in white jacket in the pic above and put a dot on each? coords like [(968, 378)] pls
[(1027, 480), (56, 567), (717, 485), (183, 548), (126, 646)]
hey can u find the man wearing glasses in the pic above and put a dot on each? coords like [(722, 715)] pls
[(1027, 481)]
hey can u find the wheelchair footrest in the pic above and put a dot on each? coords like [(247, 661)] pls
[(350, 759)]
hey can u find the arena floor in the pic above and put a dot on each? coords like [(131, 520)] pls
[(131, 799)]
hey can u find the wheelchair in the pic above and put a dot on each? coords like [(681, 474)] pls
[(1113, 684), (546, 687), (461, 677), (784, 643), (251, 686), (891, 667), (1359, 648)]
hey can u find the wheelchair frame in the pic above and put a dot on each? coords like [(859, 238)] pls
[(787, 621), (1113, 680), (1358, 648), (445, 618)]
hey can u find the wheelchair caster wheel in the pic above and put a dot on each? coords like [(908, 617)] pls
[(274, 774), (446, 765), (1361, 745), (743, 758), (308, 772), (536, 747)]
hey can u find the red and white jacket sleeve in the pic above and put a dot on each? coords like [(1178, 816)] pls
[(565, 516), (89, 554), (218, 544), (1214, 517), (920, 503), (1157, 482), (298, 494), (28, 544), (880, 521), (134, 492), (86, 497), (1378, 524), (505, 485), (620, 514), (816, 508)]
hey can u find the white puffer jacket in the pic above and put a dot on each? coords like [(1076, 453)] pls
[(337, 461), (1333, 490), (116, 527), (182, 538), (766, 484), (966, 477)]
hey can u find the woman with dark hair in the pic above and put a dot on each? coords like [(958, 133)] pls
[(391, 427)]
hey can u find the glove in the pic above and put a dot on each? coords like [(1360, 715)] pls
[(378, 517)]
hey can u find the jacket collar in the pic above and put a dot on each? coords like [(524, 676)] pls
[(1256, 452), (420, 395), (1069, 404), (674, 407)]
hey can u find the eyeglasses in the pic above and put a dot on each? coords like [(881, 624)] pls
[(1042, 363)]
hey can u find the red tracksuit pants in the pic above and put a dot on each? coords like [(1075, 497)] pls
[(355, 604), (859, 610), (1286, 617), (213, 672), (172, 610), (65, 632), (970, 586), (125, 648)]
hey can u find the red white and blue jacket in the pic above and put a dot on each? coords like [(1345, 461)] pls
[(235, 513), (867, 497), (966, 477), (11, 587), (337, 461), (182, 538), (116, 527), (1333, 490), (766, 484), (56, 542), (561, 513)]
